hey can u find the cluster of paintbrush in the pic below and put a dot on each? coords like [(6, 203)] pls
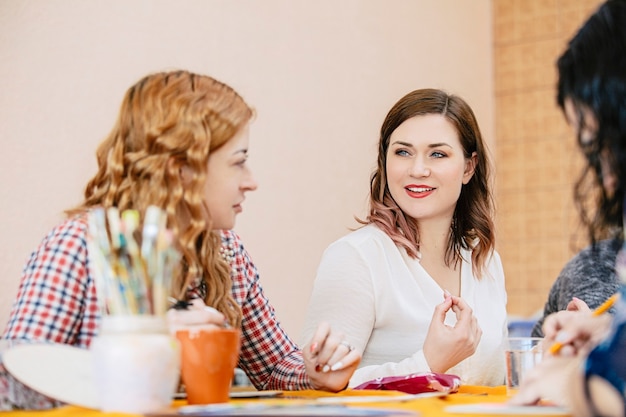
[(132, 264)]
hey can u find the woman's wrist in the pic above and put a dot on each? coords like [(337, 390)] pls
[(588, 408), (599, 397), (602, 398)]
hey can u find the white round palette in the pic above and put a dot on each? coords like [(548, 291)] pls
[(58, 371)]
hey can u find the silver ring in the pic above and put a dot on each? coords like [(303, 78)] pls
[(348, 345)]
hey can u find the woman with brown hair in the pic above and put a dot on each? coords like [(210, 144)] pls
[(428, 237)]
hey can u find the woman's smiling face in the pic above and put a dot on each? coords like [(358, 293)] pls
[(426, 167)]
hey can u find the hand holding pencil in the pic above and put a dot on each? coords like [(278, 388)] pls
[(575, 330)]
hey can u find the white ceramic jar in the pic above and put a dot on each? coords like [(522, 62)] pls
[(136, 364)]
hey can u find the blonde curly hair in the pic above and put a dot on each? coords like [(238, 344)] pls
[(168, 121)]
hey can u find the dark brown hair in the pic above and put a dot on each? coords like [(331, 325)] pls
[(472, 225)]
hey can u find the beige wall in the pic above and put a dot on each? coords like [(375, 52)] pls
[(322, 75), (537, 157)]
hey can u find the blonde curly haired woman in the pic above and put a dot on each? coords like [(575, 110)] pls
[(180, 143)]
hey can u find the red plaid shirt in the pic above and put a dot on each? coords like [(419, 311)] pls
[(57, 302)]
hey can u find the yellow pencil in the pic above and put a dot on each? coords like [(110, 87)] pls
[(598, 311)]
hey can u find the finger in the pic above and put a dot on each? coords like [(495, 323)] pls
[(577, 305), (567, 351), (555, 322), (580, 330), (348, 360), (456, 309), (323, 345), (343, 349), (336, 355), (439, 315), (317, 341), (326, 356), (462, 310), (460, 303), (448, 297)]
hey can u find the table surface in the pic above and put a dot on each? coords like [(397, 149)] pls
[(428, 406)]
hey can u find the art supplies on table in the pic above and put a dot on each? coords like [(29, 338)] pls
[(132, 265)]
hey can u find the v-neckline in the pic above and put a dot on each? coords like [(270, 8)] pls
[(414, 266)]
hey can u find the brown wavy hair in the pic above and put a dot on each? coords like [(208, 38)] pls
[(167, 121), (472, 225)]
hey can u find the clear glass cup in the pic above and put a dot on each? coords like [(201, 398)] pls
[(521, 355)]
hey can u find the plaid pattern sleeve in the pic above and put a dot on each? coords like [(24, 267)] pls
[(56, 300), (268, 356)]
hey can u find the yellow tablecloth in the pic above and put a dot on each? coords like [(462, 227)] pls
[(430, 407)]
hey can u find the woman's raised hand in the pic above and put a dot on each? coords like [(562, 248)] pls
[(575, 331), (446, 346), (329, 359)]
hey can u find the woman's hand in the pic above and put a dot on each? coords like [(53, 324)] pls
[(552, 380), (197, 313), (558, 377), (329, 359), (446, 346), (576, 331), (559, 380)]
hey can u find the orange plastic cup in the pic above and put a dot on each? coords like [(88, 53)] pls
[(208, 360)]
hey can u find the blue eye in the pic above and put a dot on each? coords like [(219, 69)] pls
[(402, 152), (437, 154)]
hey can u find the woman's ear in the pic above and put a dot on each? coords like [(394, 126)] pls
[(184, 172), (470, 167)]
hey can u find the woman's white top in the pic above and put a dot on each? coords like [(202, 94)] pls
[(383, 302)]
